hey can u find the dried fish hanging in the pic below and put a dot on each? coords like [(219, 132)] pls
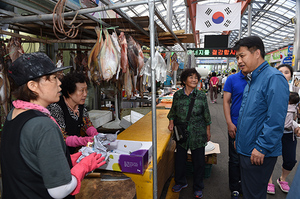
[(81, 63), (59, 23), (93, 64), (5, 61), (15, 48), (108, 58), (114, 38), (124, 58)]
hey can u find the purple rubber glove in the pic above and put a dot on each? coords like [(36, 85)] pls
[(86, 165), (75, 141), (91, 131)]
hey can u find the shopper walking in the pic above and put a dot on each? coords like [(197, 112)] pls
[(198, 130), (220, 83), (34, 160), (206, 82), (213, 87), (289, 141), (261, 117), (233, 94)]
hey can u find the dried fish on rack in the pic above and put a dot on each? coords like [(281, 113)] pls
[(72, 61), (128, 84), (81, 63), (93, 64), (124, 58), (108, 58), (140, 58), (133, 53), (5, 61), (174, 63), (114, 38), (15, 48)]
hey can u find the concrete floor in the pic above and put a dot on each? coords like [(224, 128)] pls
[(216, 186)]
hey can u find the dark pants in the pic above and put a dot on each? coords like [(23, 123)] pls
[(220, 88), (206, 86), (234, 167), (198, 159), (289, 144), (255, 178), (213, 93), (294, 192)]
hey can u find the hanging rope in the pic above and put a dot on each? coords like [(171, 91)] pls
[(59, 23)]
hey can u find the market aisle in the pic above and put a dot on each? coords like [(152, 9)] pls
[(216, 186)]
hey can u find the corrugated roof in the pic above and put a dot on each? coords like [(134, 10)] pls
[(271, 20)]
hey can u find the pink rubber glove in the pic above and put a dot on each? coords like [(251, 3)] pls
[(91, 131), (75, 141), (86, 165), (74, 158)]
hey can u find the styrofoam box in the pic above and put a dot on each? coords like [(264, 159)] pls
[(128, 156), (125, 122), (100, 117)]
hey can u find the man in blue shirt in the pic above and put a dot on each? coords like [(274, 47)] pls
[(233, 94), (261, 117)]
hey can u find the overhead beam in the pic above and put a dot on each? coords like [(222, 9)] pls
[(124, 15), (192, 13), (27, 38), (49, 17), (168, 28), (32, 10)]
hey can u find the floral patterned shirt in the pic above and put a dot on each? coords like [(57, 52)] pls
[(199, 120), (58, 114)]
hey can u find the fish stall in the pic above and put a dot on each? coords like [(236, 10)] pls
[(120, 73)]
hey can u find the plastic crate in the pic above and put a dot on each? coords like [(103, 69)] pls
[(190, 169)]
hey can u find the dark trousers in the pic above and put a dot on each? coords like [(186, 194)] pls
[(206, 86), (198, 159), (220, 88), (213, 93), (233, 167), (289, 144), (255, 178)]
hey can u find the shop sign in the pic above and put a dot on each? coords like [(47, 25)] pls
[(213, 52), (290, 51), (287, 60)]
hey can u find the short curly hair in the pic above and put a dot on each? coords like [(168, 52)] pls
[(68, 83), (188, 72)]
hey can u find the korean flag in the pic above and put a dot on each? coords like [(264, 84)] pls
[(221, 17)]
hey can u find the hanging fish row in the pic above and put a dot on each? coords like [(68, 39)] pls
[(8, 55), (113, 57)]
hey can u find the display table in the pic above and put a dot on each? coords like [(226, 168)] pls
[(165, 105), (142, 131)]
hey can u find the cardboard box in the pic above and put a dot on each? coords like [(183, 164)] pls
[(100, 117), (128, 156)]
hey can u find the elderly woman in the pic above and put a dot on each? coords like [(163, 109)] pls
[(198, 130), (34, 160), (71, 114)]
